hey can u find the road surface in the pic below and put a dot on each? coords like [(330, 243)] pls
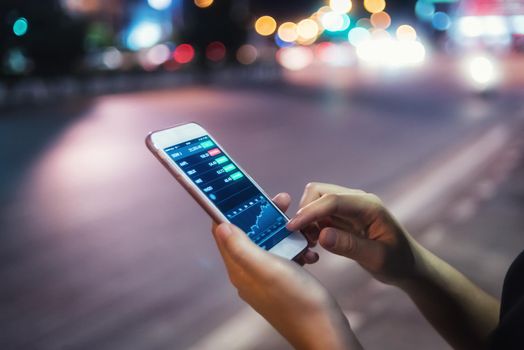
[(101, 249)]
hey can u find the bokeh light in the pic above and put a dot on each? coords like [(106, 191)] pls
[(322, 11), (247, 54), (265, 25), (406, 32), (470, 26), (340, 6), (495, 25), (490, 26), (358, 35), (112, 58), (203, 3), (215, 51), (288, 32), (424, 10), (441, 21), (158, 54), (379, 34), (144, 35), (159, 4), (409, 53), (17, 61), (389, 53), (281, 43), (336, 55), (481, 70), (374, 6), (295, 58), (20, 26), (517, 22), (307, 29), (306, 42), (380, 20), (346, 21), (335, 22), (184, 53), (364, 23)]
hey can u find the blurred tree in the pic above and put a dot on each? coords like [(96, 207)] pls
[(53, 42), (98, 35)]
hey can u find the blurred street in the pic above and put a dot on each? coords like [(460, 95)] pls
[(100, 248), (420, 102)]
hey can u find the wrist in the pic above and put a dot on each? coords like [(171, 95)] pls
[(419, 271), (331, 330)]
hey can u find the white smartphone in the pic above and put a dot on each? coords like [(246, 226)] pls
[(223, 189)]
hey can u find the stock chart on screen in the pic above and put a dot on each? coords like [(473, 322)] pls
[(232, 192)]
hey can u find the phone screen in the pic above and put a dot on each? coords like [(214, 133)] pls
[(232, 192)]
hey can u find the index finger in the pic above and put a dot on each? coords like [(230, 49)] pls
[(350, 205), (314, 190)]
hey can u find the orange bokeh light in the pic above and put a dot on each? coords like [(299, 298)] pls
[(203, 3), (374, 6), (265, 25), (380, 20)]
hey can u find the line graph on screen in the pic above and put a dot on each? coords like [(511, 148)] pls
[(257, 218)]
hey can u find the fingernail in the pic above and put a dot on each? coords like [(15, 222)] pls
[(292, 222), (282, 195), (330, 239)]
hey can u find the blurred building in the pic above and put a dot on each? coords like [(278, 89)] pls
[(497, 25)]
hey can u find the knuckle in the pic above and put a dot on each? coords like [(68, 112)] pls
[(352, 245), (374, 201), (329, 196), (332, 199), (374, 198), (356, 190), (311, 185)]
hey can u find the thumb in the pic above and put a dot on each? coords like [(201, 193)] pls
[(230, 239), (366, 252), (236, 247)]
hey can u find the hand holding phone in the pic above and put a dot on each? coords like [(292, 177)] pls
[(223, 189), (296, 304)]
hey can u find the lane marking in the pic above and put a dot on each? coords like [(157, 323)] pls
[(241, 331), (247, 329), (465, 163)]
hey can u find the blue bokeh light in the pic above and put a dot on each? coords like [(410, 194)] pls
[(441, 21)]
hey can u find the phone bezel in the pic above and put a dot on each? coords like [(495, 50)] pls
[(157, 141)]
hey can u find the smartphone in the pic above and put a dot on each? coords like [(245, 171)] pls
[(222, 188)]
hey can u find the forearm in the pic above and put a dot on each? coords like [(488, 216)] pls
[(326, 328), (461, 312)]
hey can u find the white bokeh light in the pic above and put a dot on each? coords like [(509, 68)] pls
[(159, 4)]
